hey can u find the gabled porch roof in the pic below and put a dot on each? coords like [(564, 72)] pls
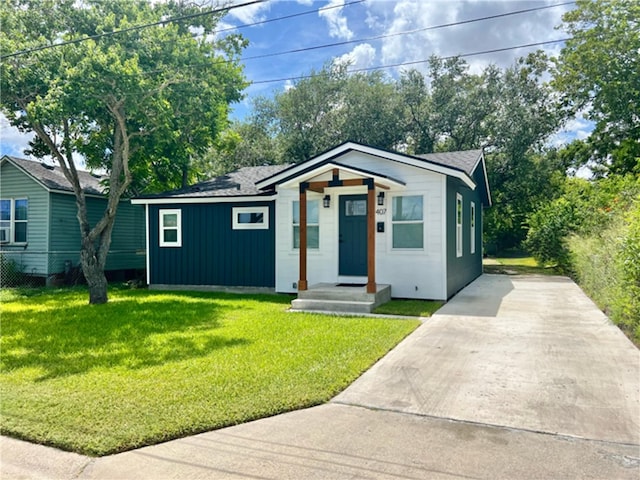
[(330, 156), (328, 170)]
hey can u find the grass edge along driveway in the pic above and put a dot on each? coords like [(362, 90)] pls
[(152, 366)]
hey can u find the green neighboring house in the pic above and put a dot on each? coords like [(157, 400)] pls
[(39, 231)]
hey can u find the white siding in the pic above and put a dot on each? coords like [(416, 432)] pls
[(411, 273)]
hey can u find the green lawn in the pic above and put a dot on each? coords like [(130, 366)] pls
[(516, 265), (411, 308), (151, 366)]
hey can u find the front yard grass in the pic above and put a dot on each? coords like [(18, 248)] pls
[(151, 366), (411, 308), (516, 264)]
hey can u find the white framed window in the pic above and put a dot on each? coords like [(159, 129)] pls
[(458, 225), (13, 220), (407, 222), (170, 227), (313, 224), (250, 218), (473, 227)]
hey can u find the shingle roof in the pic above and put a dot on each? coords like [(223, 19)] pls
[(465, 160), (52, 177), (242, 182)]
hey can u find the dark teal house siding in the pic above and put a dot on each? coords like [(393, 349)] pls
[(212, 252), (463, 270)]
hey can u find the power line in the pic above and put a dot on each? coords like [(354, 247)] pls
[(415, 62), (185, 17), (293, 15), (407, 32), (131, 29)]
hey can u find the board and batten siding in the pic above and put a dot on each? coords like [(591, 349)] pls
[(127, 238), (212, 252), (412, 273), (32, 257), (462, 270)]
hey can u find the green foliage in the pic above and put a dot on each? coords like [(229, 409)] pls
[(150, 366), (606, 265), (593, 232), (597, 70), (150, 97)]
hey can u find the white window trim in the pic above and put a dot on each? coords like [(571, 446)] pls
[(473, 227), (264, 225), (162, 228), (309, 224), (403, 222), (459, 223), (12, 222)]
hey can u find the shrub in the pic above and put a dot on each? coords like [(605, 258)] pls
[(548, 228)]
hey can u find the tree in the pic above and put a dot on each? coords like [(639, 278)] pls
[(137, 103), (597, 71)]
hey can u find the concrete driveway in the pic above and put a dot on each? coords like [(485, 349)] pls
[(516, 377)]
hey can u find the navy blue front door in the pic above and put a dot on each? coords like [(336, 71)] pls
[(353, 235)]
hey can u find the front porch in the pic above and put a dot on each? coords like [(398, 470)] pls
[(344, 298)]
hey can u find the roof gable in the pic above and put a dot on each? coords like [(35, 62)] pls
[(52, 178), (454, 164)]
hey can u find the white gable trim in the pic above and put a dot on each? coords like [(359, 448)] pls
[(183, 200), (346, 147), (386, 181)]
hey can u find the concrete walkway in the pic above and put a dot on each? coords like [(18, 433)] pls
[(516, 377)]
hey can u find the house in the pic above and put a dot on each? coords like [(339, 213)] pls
[(354, 215), (39, 229)]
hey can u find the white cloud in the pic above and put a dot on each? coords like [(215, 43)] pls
[(362, 56), (577, 128), (12, 141), (464, 38), (305, 2), (338, 27), (249, 14), (288, 85)]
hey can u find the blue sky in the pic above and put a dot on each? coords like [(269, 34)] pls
[(335, 21)]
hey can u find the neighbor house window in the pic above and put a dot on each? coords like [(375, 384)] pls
[(250, 218), (13, 220), (473, 227), (313, 225), (171, 228), (458, 225), (407, 222)]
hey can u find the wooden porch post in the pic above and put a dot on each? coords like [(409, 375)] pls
[(302, 282), (371, 237)]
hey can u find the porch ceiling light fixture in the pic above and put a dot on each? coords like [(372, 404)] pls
[(381, 198), (326, 201)]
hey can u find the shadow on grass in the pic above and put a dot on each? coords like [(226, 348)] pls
[(59, 334)]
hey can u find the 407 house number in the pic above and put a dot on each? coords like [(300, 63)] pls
[(381, 211)]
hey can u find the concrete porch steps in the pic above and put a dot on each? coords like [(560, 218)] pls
[(330, 297)]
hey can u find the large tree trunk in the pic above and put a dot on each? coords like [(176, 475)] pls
[(93, 270), (96, 279)]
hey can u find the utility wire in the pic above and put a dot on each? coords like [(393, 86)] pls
[(406, 32), (131, 29), (382, 67), (178, 19), (293, 15)]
